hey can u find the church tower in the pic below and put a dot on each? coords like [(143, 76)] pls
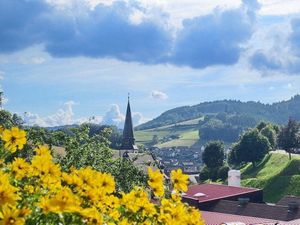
[(128, 141)]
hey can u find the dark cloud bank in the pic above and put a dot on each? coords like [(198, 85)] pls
[(106, 31)]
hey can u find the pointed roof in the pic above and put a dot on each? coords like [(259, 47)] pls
[(128, 142)]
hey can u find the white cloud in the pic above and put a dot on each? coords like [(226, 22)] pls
[(93, 119), (36, 60), (65, 116), (279, 7), (4, 100), (32, 119), (34, 55), (159, 95), (114, 116), (289, 86), (271, 88), (138, 118)]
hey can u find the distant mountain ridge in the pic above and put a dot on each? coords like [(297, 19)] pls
[(278, 112)]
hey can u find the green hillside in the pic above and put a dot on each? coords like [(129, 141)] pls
[(188, 138), (251, 111), (184, 133), (276, 175)]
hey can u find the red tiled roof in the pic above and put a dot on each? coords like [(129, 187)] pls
[(216, 191), (213, 218)]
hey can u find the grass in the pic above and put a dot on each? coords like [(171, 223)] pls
[(146, 136), (186, 130), (188, 139), (276, 175)]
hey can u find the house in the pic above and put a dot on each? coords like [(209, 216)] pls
[(214, 218), (222, 204), (205, 196)]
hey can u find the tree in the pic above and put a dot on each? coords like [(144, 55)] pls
[(155, 140), (213, 155), (85, 151), (261, 125), (289, 138), (8, 120), (252, 147), (269, 132)]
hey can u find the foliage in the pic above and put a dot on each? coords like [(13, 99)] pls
[(289, 137), (246, 114), (8, 120), (252, 147), (223, 172), (38, 192), (204, 174), (83, 150), (269, 132), (213, 154), (38, 135), (213, 157), (261, 125), (115, 136)]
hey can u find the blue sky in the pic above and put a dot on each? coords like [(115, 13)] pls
[(68, 61)]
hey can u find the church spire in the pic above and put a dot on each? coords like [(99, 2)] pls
[(128, 137)]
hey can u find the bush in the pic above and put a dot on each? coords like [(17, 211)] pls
[(38, 192), (223, 172), (204, 174)]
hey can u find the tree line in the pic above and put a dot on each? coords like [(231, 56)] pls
[(87, 145), (252, 146)]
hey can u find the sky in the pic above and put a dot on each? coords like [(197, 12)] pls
[(73, 61)]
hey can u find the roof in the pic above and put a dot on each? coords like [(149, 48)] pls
[(287, 199), (216, 191), (293, 222), (260, 210), (214, 218), (142, 160)]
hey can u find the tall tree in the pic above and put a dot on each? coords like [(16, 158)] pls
[(269, 132), (213, 154), (252, 147), (289, 137)]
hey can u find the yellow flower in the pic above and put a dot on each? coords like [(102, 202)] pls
[(106, 183), (179, 180), (20, 168), (44, 205), (63, 201), (92, 215), (156, 182), (29, 189), (11, 216), (43, 150), (8, 193), (14, 139), (175, 195)]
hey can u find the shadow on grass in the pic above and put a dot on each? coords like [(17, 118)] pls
[(251, 171), (286, 182)]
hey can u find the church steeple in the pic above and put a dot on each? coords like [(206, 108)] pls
[(128, 136)]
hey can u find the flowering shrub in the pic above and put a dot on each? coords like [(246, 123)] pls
[(38, 192)]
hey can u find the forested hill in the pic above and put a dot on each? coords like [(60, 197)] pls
[(277, 112)]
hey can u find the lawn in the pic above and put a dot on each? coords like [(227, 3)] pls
[(276, 174)]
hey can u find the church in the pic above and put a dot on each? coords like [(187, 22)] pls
[(129, 150)]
